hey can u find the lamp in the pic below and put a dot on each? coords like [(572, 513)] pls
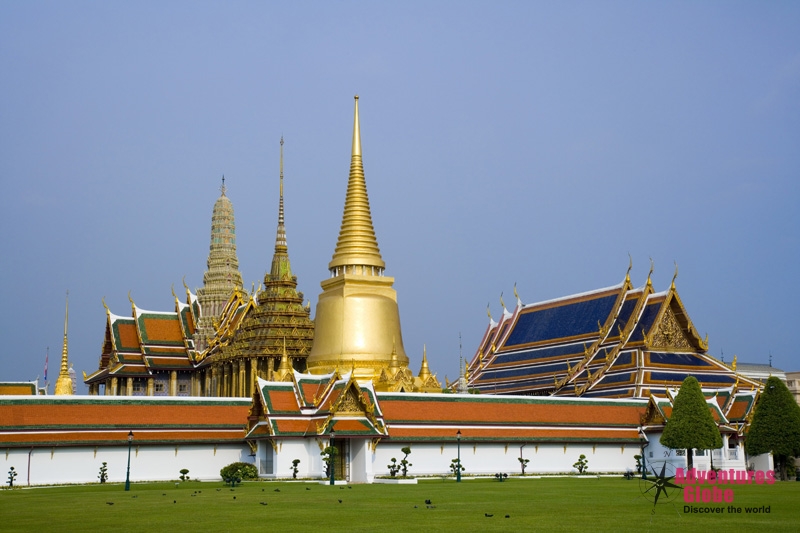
[(128, 474), (332, 455), (458, 462)]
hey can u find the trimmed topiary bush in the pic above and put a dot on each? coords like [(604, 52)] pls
[(236, 472)]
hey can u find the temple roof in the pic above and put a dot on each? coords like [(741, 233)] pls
[(310, 405), (88, 420), (339, 402), (614, 342)]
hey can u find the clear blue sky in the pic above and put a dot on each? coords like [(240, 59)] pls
[(527, 142)]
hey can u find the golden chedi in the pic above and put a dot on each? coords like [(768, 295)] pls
[(357, 319)]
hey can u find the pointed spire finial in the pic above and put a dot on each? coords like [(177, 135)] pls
[(357, 246), (356, 132), (630, 266), (649, 274), (223, 188), (64, 382), (674, 276), (424, 371), (502, 303), (280, 238)]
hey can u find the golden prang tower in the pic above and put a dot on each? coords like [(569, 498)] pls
[(357, 323)]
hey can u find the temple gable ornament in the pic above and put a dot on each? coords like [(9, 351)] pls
[(669, 335)]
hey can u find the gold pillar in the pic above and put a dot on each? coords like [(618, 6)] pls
[(151, 387), (242, 378), (114, 386), (173, 383), (129, 386)]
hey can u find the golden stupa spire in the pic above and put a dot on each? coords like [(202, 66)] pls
[(424, 371), (357, 320), (64, 382), (280, 238), (357, 249), (285, 368)]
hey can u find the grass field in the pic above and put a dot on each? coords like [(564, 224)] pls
[(548, 504)]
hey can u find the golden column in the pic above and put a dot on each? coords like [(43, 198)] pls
[(357, 324)]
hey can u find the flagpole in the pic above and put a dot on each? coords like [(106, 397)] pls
[(46, 361)]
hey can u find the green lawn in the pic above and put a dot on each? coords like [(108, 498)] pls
[(550, 504)]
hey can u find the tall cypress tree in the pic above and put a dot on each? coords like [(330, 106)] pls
[(776, 425), (691, 424)]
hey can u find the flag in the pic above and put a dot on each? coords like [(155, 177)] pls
[(46, 357)]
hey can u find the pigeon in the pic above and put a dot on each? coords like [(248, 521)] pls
[(174, 501), (110, 503), (428, 502), (349, 487), (263, 503), (262, 490), (219, 490), (277, 490), (234, 497), (415, 507), (164, 494), (508, 516), (308, 488), (136, 496), (340, 501), (487, 515)]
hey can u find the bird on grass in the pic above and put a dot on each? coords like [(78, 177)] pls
[(174, 501), (508, 516), (277, 490), (308, 488), (234, 497), (110, 503), (487, 515), (340, 501), (263, 503), (428, 502)]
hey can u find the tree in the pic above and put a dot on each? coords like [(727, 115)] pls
[(691, 424), (776, 425), (328, 457), (581, 464), (404, 464), (235, 472)]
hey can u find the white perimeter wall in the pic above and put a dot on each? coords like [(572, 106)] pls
[(429, 459), (491, 458), (59, 465)]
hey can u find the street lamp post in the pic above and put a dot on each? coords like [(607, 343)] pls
[(644, 443), (128, 474), (332, 456), (458, 466)]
